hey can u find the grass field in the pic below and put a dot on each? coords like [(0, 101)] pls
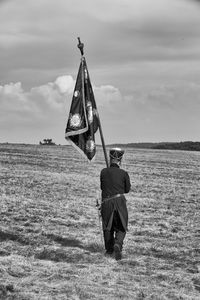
[(51, 245)]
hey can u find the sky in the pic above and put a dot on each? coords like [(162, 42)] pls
[(143, 58)]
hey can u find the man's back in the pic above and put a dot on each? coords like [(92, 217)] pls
[(114, 181)]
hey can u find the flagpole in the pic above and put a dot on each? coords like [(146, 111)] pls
[(81, 46), (103, 143)]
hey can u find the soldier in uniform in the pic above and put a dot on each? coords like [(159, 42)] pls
[(114, 183)]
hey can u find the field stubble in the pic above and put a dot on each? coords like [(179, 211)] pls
[(49, 230)]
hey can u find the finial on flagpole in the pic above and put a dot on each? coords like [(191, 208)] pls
[(80, 46)]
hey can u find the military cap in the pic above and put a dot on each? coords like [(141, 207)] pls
[(116, 153)]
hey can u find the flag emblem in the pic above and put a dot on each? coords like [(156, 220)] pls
[(90, 112), (76, 93), (75, 121), (90, 145)]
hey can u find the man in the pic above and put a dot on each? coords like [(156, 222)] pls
[(114, 183)]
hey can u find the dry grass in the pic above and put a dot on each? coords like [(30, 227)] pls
[(50, 241)]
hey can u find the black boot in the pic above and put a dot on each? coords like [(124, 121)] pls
[(119, 238), (109, 241), (117, 251)]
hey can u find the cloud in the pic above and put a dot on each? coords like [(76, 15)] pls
[(11, 89), (165, 112), (107, 95), (40, 106), (143, 56), (13, 100), (161, 113), (43, 109), (37, 44), (65, 84)]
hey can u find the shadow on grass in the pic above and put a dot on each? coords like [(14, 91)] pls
[(74, 243), (69, 256), (5, 235)]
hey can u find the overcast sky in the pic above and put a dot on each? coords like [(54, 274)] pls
[(143, 58)]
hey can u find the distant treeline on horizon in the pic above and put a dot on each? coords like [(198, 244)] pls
[(187, 146)]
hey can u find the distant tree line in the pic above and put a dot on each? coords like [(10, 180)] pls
[(47, 142), (187, 146)]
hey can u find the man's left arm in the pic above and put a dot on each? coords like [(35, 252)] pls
[(127, 183)]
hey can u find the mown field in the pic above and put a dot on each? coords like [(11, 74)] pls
[(51, 245)]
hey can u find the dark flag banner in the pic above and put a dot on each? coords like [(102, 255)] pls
[(83, 121)]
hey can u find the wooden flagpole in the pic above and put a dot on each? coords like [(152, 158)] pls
[(81, 46), (103, 143)]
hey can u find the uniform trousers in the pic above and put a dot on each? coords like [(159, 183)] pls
[(115, 235)]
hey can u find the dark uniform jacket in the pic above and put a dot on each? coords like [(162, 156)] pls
[(114, 183)]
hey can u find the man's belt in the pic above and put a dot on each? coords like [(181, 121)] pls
[(112, 197)]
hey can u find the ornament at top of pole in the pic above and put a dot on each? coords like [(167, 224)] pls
[(80, 46)]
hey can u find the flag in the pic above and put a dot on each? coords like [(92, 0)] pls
[(83, 121)]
